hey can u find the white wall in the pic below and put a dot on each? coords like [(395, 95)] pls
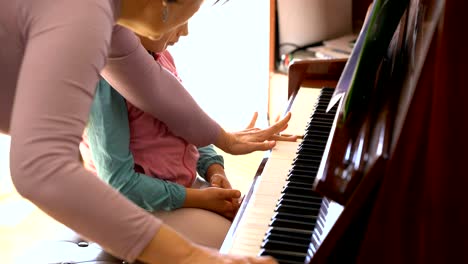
[(224, 60)]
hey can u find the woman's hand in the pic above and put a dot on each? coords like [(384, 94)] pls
[(253, 139), (208, 255), (167, 246)]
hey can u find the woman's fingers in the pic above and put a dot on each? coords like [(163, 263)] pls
[(253, 120), (280, 125), (283, 138)]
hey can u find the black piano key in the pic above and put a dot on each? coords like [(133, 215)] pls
[(297, 190), (318, 137), (311, 217), (320, 120), (292, 209), (306, 159), (299, 169), (300, 217), (286, 201), (306, 165), (300, 178), (319, 211), (312, 148), (315, 143), (315, 198), (294, 237), (320, 127), (319, 124), (303, 174), (309, 155), (302, 168), (291, 220), (311, 164), (274, 244), (316, 131), (305, 185), (287, 261), (283, 255), (296, 232)]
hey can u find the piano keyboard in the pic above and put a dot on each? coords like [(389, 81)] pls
[(284, 217)]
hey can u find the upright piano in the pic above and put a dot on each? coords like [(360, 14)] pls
[(379, 174)]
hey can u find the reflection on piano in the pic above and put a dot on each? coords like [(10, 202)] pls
[(406, 202)]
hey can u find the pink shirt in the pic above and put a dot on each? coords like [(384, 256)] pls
[(51, 55), (150, 137)]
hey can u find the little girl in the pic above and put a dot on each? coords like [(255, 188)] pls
[(139, 156)]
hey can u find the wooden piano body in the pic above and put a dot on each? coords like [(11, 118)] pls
[(406, 154)]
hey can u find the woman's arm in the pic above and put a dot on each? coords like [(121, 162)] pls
[(66, 46), (109, 140), (153, 89)]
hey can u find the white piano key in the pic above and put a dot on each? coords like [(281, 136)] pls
[(301, 110)]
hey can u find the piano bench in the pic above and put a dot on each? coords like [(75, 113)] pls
[(71, 250)]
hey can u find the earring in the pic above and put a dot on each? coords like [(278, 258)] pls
[(165, 12)]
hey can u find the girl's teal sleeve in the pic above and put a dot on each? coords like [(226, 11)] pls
[(109, 138), (208, 156)]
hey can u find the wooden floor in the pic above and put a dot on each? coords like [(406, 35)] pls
[(22, 225)]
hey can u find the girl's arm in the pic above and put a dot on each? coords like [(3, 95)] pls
[(209, 158), (109, 140)]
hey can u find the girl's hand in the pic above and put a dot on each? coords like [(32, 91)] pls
[(221, 201), (220, 181)]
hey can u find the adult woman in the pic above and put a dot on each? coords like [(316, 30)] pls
[(51, 56)]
